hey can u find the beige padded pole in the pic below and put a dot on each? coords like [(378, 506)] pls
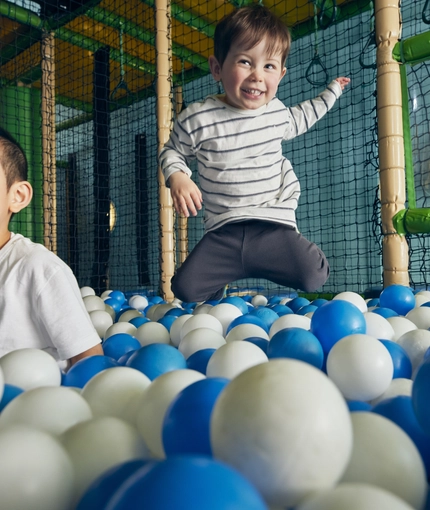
[(390, 137), (182, 220), (163, 46), (48, 142)]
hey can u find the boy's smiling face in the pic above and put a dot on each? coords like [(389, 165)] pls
[(250, 77)]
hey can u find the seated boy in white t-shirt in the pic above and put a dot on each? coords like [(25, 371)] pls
[(40, 303)]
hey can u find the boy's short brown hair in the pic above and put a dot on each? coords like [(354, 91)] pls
[(248, 26), (12, 159)]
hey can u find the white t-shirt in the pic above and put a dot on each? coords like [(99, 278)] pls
[(40, 302)]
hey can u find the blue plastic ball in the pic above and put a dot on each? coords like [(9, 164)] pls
[(156, 359), (247, 318), (336, 319), (113, 303), (9, 393), (103, 488), (119, 344), (236, 301), (138, 321), (373, 302), (421, 395), (123, 359), (282, 310), (267, 315), (118, 295), (187, 420), (400, 410), (190, 482), (259, 342), (385, 312), (399, 298), (297, 303), (306, 309), (177, 312), (199, 360), (167, 321), (318, 302), (401, 361), (358, 405), (296, 343), (82, 371), (156, 300)]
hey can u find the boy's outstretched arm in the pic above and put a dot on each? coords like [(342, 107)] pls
[(186, 196), (343, 82)]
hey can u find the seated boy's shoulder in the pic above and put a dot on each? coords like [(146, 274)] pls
[(35, 253)]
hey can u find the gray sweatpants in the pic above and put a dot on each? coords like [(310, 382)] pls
[(249, 249)]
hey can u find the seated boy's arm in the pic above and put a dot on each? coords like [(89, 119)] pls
[(94, 351), (186, 196)]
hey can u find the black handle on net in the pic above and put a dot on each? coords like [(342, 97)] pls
[(316, 62), (322, 15), (370, 40), (423, 15)]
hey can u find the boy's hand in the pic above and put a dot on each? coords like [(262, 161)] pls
[(343, 82), (186, 196)]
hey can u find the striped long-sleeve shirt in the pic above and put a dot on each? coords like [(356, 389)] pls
[(242, 171)]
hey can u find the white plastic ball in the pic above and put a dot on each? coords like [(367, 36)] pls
[(385, 456), (397, 387), (360, 366), (420, 317), (175, 328), (246, 330), (30, 368), (202, 320), (52, 409), (128, 315), (401, 325), (105, 294), (225, 313), (415, 343), (290, 320), (96, 445), (138, 302), (420, 299), (93, 303), (120, 327), (153, 404), (198, 339), (378, 326), (116, 392), (353, 298), (35, 470), (231, 359), (286, 427), (259, 300), (156, 312), (87, 291), (101, 320), (111, 312), (356, 496), (152, 333), (202, 308)]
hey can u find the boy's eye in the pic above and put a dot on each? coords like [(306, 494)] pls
[(244, 61), (270, 66)]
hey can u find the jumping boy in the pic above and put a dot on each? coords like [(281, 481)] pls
[(40, 302), (248, 187)]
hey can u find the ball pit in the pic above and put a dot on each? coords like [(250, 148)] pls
[(293, 403)]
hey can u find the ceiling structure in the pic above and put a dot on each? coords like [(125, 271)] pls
[(126, 27)]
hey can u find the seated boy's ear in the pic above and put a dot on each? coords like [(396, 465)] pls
[(21, 194)]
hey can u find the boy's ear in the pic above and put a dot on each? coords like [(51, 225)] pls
[(283, 73), (215, 68), (21, 194)]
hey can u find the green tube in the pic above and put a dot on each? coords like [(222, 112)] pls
[(414, 50), (412, 221), (20, 115)]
